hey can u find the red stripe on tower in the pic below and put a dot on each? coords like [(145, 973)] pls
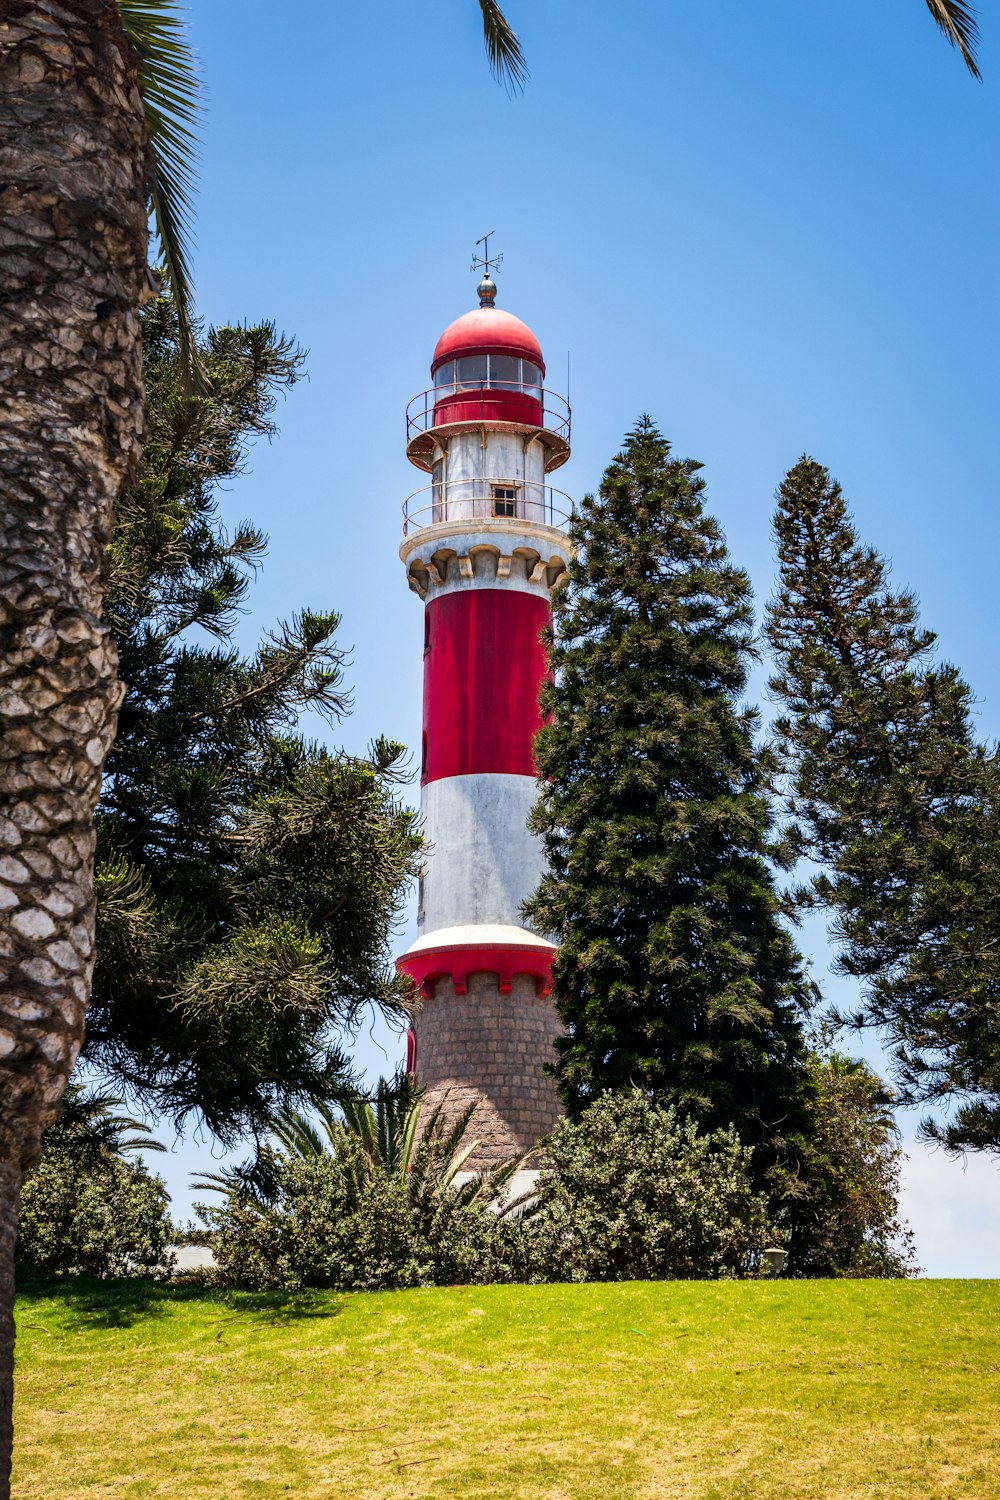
[(483, 667)]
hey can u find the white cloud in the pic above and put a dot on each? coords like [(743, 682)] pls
[(953, 1208)]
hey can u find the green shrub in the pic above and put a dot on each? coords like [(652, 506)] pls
[(634, 1192), (631, 1192), (315, 1231), (336, 1219), (97, 1216)]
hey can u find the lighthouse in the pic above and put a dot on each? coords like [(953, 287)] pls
[(484, 544)]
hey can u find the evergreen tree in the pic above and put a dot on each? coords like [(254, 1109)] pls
[(892, 796), (847, 1221), (674, 972), (247, 881)]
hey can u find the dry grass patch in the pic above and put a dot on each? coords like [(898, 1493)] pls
[(643, 1391)]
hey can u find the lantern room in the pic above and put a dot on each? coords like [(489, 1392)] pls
[(487, 430), (488, 367)]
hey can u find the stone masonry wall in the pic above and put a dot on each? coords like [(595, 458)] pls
[(490, 1047)]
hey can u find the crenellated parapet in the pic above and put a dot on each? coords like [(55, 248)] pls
[(488, 554)]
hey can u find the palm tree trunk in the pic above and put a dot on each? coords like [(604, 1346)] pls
[(73, 243), (10, 1178)]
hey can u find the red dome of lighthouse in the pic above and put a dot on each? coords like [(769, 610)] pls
[(487, 330), (488, 371)]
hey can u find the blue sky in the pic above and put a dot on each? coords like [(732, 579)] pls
[(771, 225)]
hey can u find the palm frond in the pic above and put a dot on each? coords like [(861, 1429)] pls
[(360, 1119), (408, 1138), (503, 47), (215, 1182), (958, 20), (456, 1163), (387, 1125), (489, 1189), (297, 1134), (253, 1181), (89, 1117), (330, 1123), (169, 85), (446, 1140)]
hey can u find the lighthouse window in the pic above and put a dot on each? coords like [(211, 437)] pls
[(490, 372), (531, 377), (504, 499), (439, 506), (473, 370), (505, 371)]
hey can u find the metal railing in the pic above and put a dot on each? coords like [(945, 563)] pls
[(480, 402), (479, 500)]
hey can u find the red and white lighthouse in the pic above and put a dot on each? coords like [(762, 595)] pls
[(483, 546)]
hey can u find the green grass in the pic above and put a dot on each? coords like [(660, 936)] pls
[(669, 1391)]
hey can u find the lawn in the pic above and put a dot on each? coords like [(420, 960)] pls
[(642, 1391)]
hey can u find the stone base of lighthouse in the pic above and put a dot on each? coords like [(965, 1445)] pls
[(487, 1047)]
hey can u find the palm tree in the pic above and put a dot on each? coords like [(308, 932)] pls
[(428, 1156), (957, 19), (100, 102), (75, 153), (91, 1126)]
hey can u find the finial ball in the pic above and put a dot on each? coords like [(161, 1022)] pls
[(487, 290)]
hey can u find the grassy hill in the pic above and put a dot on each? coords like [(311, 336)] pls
[(642, 1391)]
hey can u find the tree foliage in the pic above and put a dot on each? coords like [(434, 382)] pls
[(631, 1191), (848, 1223), (170, 91), (247, 881), (674, 972), (895, 801)]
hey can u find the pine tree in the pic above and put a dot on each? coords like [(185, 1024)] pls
[(896, 802), (674, 971), (247, 881)]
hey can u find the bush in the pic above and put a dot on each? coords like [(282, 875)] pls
[(96, 1216), (336, 1219), (633, 1192)]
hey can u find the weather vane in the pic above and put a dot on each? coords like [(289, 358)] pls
[(485, 262)]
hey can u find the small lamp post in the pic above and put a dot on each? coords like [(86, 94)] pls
[(773, 1262)]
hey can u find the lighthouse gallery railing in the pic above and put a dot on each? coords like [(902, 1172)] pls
[(482, 402), (486, 499)]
